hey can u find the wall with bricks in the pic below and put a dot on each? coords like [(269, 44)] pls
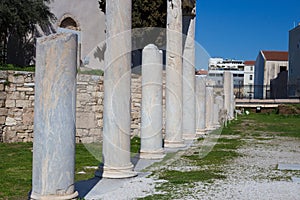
[(17, 107)]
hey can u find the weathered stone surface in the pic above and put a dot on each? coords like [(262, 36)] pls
[(10, 103), (85, 120), (54, 118), (15, 78), (210, 105), (117, 74), (229, 95), (189, 97), (152, 111), (10, 121), (201, 104), (173, 135), (92, 105), (23, 103)]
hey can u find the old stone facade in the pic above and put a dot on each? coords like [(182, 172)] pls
[(17, 107)]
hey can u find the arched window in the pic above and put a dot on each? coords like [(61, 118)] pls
[(69, 23)]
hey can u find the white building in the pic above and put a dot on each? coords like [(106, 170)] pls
[(86, 20), (227, 64), (249, 79), (217, 66), (267, 67), (294, 62)]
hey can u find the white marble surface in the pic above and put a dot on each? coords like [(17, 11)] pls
[(117, 80), (152, 109), (201, 104), (173, 135), (189, 98)]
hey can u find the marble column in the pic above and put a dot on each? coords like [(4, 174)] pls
[(216, 123), (229, 95), (53, 165), (152, 113), (201, 105), (117, 81), (189, 104), (173, 135), (209, 105), (220, 103)]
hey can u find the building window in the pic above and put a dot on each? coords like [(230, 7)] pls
[(251, 77), (283, 68), (251, 68)]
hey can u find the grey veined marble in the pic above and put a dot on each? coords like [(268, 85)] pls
[(117, 81), (173, 135), (54, 118), (152, 110)]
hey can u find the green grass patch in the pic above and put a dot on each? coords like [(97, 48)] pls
[(16, 167), (96, 72), (135, 145), (178, 177), (11, 67), (15, 170)]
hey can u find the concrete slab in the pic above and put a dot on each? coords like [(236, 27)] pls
[(293, 167), (100, 186)]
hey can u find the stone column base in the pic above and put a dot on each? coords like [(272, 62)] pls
[(118, 172), (200, 132), (210, 129), (189, 136), (152, 155), (174, 144), (54, 197)]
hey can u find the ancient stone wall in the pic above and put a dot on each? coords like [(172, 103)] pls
[(17, 106)]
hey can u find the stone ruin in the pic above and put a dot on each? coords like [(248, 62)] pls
[(192, 109)]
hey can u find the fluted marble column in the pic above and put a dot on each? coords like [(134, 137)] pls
[(201, 105), (173, 135), (117, 81), (152, 113), (189, 104), (209, 105), (229, 94), (54, 118)]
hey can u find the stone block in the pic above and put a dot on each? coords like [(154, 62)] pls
[(2, 87), (28, 116), (16, 78), (23, 103), (3, 111), (25, 89), (10, 103), (2, 120), (84, 97), (13, 95), (10, 121), (2, 95), (85, 120)]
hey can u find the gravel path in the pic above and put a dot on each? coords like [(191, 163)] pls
[(251, 176), (255, 174)]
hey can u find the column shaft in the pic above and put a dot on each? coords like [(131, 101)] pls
[(189, 105), (173, 136), (54, 118), (201, 104), (117, 81), (152, 113), (209, 105), (228, 95)]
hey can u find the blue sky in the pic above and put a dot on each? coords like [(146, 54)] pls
[(239, 29)]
